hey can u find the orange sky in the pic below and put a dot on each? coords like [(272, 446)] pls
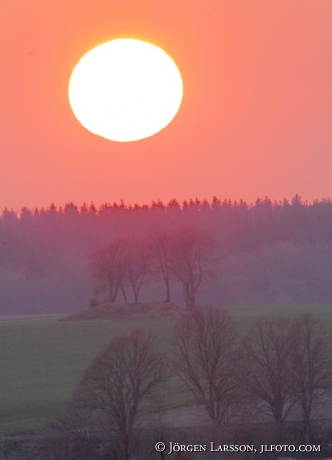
[(255, 119)]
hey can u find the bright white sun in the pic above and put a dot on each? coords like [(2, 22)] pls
[(125, 90)]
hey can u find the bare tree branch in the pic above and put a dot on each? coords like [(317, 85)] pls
[(192, 260), (267, 352), (311, 365), (139, 263), (109, 264), (205, 358), (120, 378)]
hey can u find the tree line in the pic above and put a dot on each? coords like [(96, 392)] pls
[(269, 252), (239, 226), (280, 370)]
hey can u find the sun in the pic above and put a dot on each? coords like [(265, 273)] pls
[(125, 90)]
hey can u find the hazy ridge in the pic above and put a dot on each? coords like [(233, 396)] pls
[(269, 252)]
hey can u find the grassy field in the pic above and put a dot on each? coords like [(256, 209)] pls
[(42, 359)]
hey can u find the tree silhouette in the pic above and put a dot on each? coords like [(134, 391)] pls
[(204, 355), (159, 245), (109, 265), (120, 379), (268, 368), (193, 259), (311, 365), (139, 262)]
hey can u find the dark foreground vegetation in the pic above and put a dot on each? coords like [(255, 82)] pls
[(267, 253), (268, 385), (105, 445)]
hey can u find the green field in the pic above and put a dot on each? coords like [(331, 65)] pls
[(42, 360)]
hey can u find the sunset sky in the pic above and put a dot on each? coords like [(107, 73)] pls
[(255, 119)]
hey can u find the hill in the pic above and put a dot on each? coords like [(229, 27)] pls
[(123, 311)]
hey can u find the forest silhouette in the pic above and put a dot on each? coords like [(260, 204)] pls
[(266, 253)]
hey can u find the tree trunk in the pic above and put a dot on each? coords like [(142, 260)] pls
[(126, 440), (136, 292), (186, 296), (124, 293), (306, 431), (113, 294), (168, 293), (278, 431), (191, 301), (278, 421)]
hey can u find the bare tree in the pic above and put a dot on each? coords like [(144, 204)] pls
[(311, 365), (139, 263), (207, 361), (192, 260), (159, 247), (120, 378), (268, 369), (109, 265)]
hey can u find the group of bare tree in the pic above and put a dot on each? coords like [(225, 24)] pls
[(289, 368), (186, 254), (281, 368)]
